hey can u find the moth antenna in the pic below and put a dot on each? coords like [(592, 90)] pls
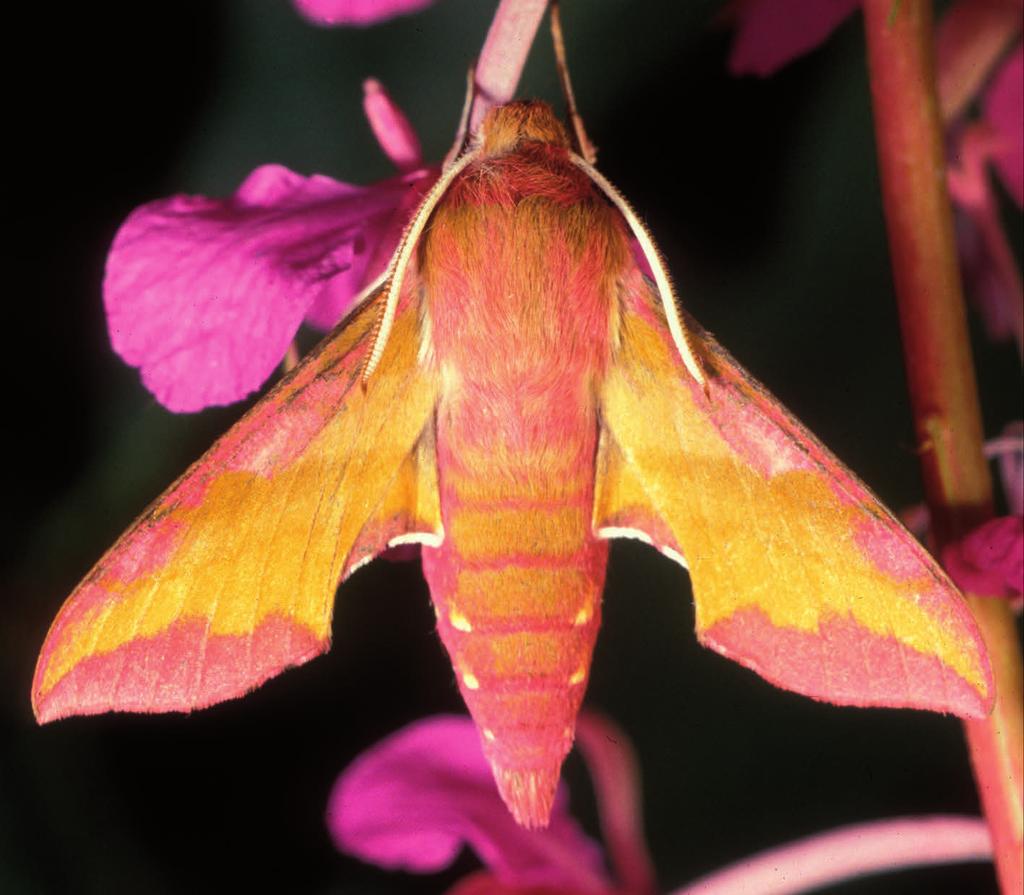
[(395, 273), (586, 149), (669, 301), (463, 128)]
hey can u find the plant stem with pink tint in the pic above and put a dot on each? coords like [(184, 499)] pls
[(504, 54), (941, 378), (848, 853)]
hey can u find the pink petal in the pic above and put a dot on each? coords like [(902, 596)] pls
[(357, 12), (390, 126), (986, 259), (413, 800), (204, 295), (772, 33), (990, 560), (1004, 110), (374, 247)]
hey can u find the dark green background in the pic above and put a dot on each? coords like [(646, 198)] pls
[(764, 197)]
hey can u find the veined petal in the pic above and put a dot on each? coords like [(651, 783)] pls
[(204, 295), (772, 33), (357, 12), (413, 800), (1004, 110), (373, 247)]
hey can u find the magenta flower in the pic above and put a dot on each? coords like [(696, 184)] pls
[(412, 801), (989, 562), (357, 12), (415, 799), (1003, 104), (771, 33), (204, 296)]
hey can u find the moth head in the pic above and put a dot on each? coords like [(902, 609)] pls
[(504, 128)]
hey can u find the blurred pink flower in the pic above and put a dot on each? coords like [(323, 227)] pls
[(771, 33), (205, 295), (1003, 107), (357, 12), (989, 562), (413, 800)]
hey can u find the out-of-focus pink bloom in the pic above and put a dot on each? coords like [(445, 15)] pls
[(357, 12), (1004, 111), (413, 800), (989, 562), (772, 33), (987, 262), (205, 295)]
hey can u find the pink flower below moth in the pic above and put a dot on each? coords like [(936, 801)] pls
[(205, 295), (357, 12), (417, 797), (414, 799), (989, 562)]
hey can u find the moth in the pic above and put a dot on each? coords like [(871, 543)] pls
[(516, 394)]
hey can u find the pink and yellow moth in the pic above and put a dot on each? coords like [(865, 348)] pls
[(516, 394)]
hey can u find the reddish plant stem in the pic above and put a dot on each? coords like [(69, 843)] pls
[(940, 375), (850, 852)]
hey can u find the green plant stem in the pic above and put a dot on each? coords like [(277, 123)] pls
[(941, 379)]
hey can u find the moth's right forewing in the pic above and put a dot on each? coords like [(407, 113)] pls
[(798, 571)]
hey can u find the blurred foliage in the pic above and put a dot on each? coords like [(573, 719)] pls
[(764, 197)]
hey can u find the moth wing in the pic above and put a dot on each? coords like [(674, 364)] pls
[(229, 577), (798, 571)]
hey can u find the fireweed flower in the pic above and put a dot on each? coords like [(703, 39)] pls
[(205, 295), (413, 800), (990, 560), (771, 33), (357, 12)]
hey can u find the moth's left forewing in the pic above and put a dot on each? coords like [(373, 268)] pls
[(229, 577), (798, 571)]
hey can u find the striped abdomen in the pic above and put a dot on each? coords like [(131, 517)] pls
[(517, 586), (519, 269)]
